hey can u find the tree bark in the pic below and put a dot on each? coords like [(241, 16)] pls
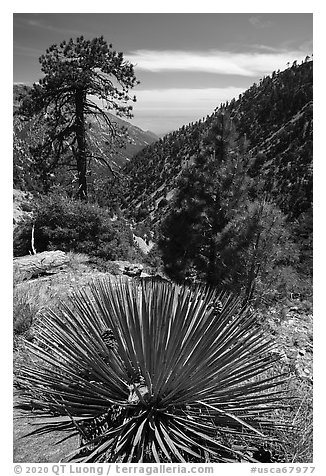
[(81, 144), (253, 273)]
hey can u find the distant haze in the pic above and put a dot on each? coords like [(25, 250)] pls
[(187, 63)]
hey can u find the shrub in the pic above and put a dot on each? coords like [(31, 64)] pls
[(105, 266), (69, 225), (28, 300), (152, 372), (24, 311), (162, 203)]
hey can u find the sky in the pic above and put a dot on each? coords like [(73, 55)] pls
[(187, 63)]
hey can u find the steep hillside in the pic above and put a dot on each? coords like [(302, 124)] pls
[(274, 121), (136, 139), (128, 140)]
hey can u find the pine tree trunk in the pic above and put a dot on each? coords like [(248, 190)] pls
[(81, 144), (253, 273), (212, 271)]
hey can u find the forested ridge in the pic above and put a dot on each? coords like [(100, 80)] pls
[(274, 117)]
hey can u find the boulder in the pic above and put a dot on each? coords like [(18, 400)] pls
[(40, 264), (129, 269)]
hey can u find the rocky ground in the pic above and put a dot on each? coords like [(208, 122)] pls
[(291, 325)]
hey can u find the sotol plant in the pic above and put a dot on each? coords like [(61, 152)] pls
[(152, 372)]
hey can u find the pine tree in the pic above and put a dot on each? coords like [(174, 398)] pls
[(209, 193), (81, 78), (257, 250)]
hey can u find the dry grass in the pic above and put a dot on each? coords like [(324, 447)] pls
[(296, 442)]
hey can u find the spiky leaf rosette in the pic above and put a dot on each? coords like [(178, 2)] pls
[(151, 372)]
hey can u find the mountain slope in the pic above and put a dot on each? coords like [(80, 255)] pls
[(136, 139), (274, 119)]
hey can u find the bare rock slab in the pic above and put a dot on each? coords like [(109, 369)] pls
[(47, 262)]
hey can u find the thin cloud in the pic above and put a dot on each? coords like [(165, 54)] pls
[(35, 23), (214, 61), (201, 101), (27, 51), (257, 22)]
